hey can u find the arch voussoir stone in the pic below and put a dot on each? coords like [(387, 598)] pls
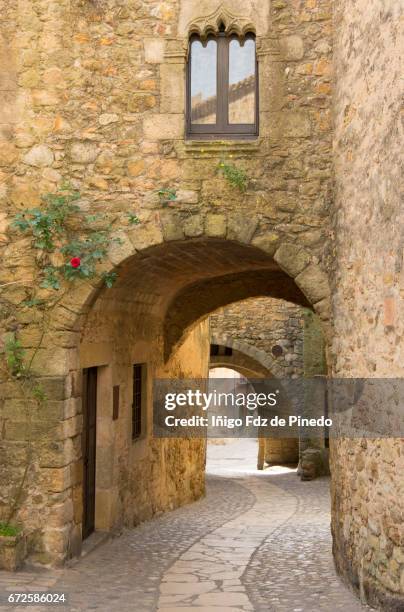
[(292, 258), (314, 283)]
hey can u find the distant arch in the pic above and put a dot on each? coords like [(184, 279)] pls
[(266, 362)]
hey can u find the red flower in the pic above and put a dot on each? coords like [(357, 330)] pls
[(75, 262)]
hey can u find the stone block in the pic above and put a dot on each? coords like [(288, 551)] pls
[(15, 430), (145, 235), (98, 182), (323, 309), (292, 48), (70, 428), (39, 156), (136, 167), (108, 118), (141, 102), (283, 201), (215, 225), (22, 193), (154, 50), (50, 362), (193, 226), (56, 540), (187, 196), (84, 152), (61, 514), (295, 124), (56, 453), (171, 226), (52, 175), (72, 407), (313, 463), (12, 552), (45, 98), (57, 479), (172, 88), (292, 258), (8, 153), (314, 284), (286, 124), (241, 228), (164, 126), (267, 242), (119, 251)]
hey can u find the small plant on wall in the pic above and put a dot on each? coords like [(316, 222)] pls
[(235, 176), (167, 196)]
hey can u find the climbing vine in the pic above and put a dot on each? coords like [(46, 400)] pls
[(69, 247), (54, 230)]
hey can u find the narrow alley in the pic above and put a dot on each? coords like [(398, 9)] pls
[(259, 541)]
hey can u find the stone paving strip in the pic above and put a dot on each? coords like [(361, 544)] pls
[(213, 567)]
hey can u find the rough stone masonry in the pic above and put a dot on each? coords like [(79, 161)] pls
[(93, 92)]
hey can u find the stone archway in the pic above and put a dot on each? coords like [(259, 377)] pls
[(153, 315), (253, 363), (264, 360)]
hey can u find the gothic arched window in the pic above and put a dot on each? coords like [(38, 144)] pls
[(222, 88)]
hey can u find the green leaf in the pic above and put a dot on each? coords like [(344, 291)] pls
[(93, 218), (15, 356), (133, 219), (167, 195), (9, 531), (51, 280), (39, 394), (109, 278), (30, 303)]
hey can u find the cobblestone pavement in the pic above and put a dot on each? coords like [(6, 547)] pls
[(258, 541)]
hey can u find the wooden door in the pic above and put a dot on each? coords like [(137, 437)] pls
[(89, 448)]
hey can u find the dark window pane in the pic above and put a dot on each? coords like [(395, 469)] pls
[(203, 82), (214, 350), (242, 82), (137, 402)]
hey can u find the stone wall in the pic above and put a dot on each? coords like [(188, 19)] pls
[(94, 94), (273, 331), (368, 475), (273, 327), (289, 342)]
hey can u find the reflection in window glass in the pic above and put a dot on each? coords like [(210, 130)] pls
[(242, 82), (203, 82)]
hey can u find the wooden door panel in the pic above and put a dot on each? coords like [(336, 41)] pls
[(89, 448)]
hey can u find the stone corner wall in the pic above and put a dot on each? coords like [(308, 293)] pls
[(93, 94), (368, 290)]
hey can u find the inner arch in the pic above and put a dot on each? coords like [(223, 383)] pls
[(177, 284)]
